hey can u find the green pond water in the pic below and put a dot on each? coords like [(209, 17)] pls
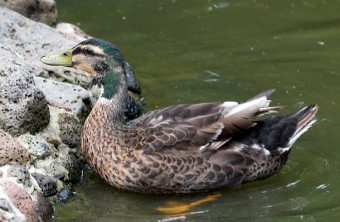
[(205, 50)]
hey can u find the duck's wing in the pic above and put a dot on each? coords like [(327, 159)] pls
[(191, 111), (199, 126), (177, 113)]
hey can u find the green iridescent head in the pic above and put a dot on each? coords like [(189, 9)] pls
[(97, 57)]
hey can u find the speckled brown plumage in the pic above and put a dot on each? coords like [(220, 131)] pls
[(166, 156), (182, 148)]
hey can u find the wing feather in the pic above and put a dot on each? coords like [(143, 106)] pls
[(198, 126)]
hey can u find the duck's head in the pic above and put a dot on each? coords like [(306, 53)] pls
[(91, 55), (97, 57)]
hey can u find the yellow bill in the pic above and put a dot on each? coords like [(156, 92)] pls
[(62, 59)]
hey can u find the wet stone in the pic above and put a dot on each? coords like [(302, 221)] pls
[(47, 184)]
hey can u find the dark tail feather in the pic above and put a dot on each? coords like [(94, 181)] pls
[(306, 118), (281, 132)]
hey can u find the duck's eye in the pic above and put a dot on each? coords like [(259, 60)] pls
[(65, 54), (89, 52)]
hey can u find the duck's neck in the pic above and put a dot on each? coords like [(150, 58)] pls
[(112, 102)]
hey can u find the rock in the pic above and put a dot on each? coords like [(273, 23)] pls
[(64, 127), (11, 151), (67, 75), (31, 109), (23, 108), (24, 41), (70, 128), (51, 132), (52, 167), (21, 175), (72, 32), (74, 167), (133, 83), (36, 146), (44, 208), (20, 199), (47, 184), (65, 193), (64, 95), (64, 166), (8, 212), (40, 10)]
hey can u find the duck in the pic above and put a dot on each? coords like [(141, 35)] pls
[(182, 148)]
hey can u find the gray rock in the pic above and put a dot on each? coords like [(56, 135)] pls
[(47, 184), (64, 95), (64, 166), (24, 41), (64, 128), (72, 32), (70, 129), (8, 211), (67, 75), (74, 167), (40, 10), (5, 205), (21, 174), (36, 146), (23, 108), (133, 83), (52, 167), (22, 105)]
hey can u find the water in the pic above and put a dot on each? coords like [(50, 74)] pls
[(198, 51)]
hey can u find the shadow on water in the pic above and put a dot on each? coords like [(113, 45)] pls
[(225, 50)]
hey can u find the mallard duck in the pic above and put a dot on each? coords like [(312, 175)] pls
[(181, 148)]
